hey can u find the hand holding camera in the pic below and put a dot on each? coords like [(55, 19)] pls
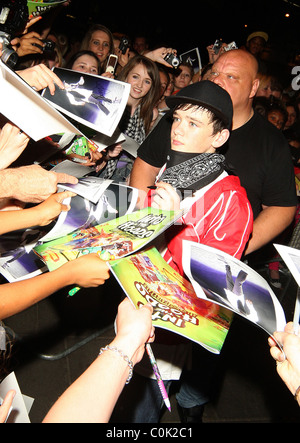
[(30, 43), (165, 56), (14, 16)]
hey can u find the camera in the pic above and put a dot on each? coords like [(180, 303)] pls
[(124, 45), (231, 46), (172, 60), (217, 46), (13, 19), (46, 46), (49, 46)]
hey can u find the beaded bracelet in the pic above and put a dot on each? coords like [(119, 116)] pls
[(297, 393), (125, 358)]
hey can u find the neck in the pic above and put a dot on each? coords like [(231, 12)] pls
[(133, 104), (241, 118)]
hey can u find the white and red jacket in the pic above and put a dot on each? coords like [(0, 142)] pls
[(219, 215)]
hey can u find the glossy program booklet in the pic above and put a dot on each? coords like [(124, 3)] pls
[(111, 240), (147, 278), (202, 306)]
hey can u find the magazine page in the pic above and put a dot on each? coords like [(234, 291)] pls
[(19, 265), (146, 278), (91, 100), (103, 141), (291, 257), (43, 119), (17, 258), (21, 404), (36, 7), (221, 278), (77, 170), (93, 206), (114, 239), (90, 188), (130, 146)]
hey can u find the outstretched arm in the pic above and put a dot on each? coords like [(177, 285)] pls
[(86, 271), (92, 397)]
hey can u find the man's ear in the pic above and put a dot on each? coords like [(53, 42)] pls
[(221, 138), (255, 86)]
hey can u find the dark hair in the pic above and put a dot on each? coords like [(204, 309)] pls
[(187, 65), (80, 54), (150, 100), (218, 124), (277, 105)]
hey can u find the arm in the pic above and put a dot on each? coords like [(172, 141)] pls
[(86, 271), (158, 55), (40, 77), (40, 215), (6, 405), (288, 363), (142, 175), (12, 144), (269, 224), (31, 183), (26, 44), (92, 397)]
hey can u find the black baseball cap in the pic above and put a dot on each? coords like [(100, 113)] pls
[(207, 94)]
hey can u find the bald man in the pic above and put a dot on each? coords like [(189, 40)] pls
[(256, 151)]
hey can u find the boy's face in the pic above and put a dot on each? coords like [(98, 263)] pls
[(192, 132)]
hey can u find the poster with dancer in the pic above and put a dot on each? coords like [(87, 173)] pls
[(222, 279), (94, 101)]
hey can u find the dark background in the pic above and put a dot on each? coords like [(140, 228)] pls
[(186, 25)]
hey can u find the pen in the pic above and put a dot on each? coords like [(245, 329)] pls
[(181, 190), (73, 291), (297, 313), (158, 376)]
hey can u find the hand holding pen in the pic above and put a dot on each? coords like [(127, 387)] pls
[(165, 197)]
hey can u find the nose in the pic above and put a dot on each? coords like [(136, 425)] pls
[(177, 128), (216, 78)]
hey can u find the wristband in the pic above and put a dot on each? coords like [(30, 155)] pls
[(125, 358)]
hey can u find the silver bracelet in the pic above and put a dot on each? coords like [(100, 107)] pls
[(125, 358)]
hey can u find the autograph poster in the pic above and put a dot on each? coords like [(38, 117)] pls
[(114, 239), (146, 278)]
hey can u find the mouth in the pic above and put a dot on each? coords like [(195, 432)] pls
[(176, 143), (137, 91)]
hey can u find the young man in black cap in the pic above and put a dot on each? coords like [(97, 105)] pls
[(217, 210), (217, 214)]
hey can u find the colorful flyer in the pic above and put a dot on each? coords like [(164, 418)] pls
[(36, 8), (114, 239), (146, 278)]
